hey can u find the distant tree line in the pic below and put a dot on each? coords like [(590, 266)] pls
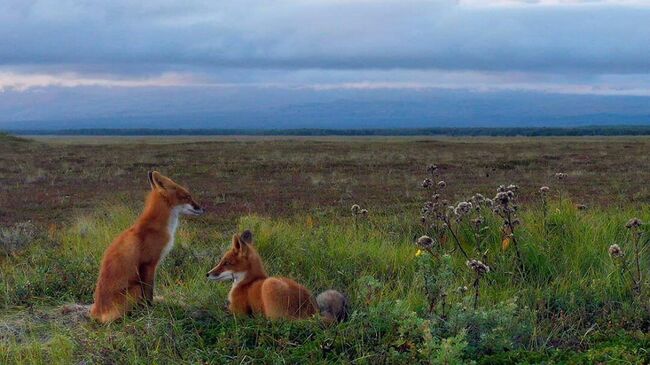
[(478, 131)]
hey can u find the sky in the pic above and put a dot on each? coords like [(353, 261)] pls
[(62, 56)]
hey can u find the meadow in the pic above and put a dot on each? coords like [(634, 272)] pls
[(557, 289)]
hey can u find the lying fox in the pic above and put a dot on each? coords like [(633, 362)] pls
[(254, 292), (128, 269)]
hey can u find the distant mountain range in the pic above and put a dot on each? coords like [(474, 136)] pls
[(295, 109)]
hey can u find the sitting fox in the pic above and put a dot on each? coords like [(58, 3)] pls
[(128, 269), (254, 292)]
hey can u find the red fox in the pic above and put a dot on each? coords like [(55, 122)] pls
[(254, 292), (128, 268)]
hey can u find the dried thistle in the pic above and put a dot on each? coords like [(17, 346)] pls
[(478, 267), (561, 175), (615, 251), (505, 207), (633, 223), (425, 242), (544, 189), (355, 209)]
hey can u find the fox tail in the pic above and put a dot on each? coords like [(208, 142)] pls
[(333, 306)]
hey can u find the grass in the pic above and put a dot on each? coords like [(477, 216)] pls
[(572, 307), (295, 195)]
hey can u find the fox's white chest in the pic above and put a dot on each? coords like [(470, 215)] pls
[(237, 278), (172, 225)]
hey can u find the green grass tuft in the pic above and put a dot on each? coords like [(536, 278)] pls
[(573, 306)]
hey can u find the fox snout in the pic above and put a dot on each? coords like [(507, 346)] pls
[(197, 208), (218, 275), (192, 209)]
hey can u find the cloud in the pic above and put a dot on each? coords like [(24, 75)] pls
[(157, 37), (333, 80), (22, 82)]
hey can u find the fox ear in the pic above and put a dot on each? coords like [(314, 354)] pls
[(157, 180), (238, 244), (151, 180), (247, 237)]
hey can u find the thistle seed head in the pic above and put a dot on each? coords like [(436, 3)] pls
[(561, 175), (633, 223), (463, 208), (544, 189), (355, 209), (615, 251), (478, 267), (427, 183), (425, 242), (442, 184)]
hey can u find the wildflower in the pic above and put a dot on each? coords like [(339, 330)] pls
[(355, 209), (432, 169), (462, 289), (478, 267), (502, 198), (462, 209), (425, 242), (442, 184), (427, 183), (633, 223), (418, 253), (615, 251), (561, 175), (544, 189)]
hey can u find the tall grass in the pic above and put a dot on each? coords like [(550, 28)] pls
[(573, 297)]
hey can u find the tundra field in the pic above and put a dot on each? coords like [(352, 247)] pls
[(562, 275)]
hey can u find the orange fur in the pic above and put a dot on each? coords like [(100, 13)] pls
[(128, 268), (253, 292)]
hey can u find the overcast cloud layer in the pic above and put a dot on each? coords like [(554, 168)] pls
[(141, 37), (555, 46)]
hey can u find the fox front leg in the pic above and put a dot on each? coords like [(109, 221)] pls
[(148, 278)]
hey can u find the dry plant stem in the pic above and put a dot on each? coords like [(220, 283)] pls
[(624, 270), (444, 304), (635, 238), (514, 243), (476, 291), (544, 214), (453, 234)]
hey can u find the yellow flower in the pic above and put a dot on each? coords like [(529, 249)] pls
[(418, 253)]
